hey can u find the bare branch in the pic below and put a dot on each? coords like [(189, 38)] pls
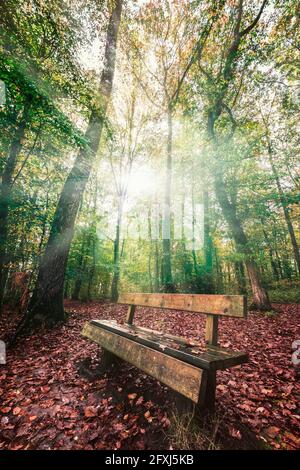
[(255, 21)]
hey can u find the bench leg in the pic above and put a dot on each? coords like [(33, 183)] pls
[(208, 406), (108, 360)]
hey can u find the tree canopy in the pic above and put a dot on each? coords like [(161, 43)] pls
[(158, 144)]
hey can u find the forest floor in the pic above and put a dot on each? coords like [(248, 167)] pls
[(46, 402)]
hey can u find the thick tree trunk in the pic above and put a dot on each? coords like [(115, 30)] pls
[(5, 195), (168, 285), (46, 306), (260, 296)]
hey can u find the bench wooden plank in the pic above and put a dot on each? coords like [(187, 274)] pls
[(210, 358), (226, 305), (186, 379)]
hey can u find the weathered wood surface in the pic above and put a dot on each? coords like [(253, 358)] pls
[(211, 329), (208, 358), (130, 314), (186, 379), (227, 305)]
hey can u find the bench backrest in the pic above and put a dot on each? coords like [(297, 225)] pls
[(207, 304)]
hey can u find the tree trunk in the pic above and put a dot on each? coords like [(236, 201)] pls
[(240, 277), (168, 285), (150, 251), (156, 279), (187, 264), (220, 286), (260, 296), (208, 247), (116, 274), (5, 195), (92, 269), (46, 305), (80, 269), (285, 209), (270, 250)]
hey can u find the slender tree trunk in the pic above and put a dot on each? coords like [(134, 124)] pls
[(279, 265), (270, 251), (194, 255), (150, 251), (156, 279), (46, 305), (285, 209), (220, 286), (66, 290), (167, 264), (240, 277), (208, 247), (187, 264), (93, 267), (78, 280), (116, 274), (5, 195)]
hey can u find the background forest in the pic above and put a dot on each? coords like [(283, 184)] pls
[(197, 106)]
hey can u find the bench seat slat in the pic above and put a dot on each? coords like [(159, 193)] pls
[(186, 379), (209, 358)]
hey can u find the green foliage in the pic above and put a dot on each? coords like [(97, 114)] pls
[(47, 55), (285, 292)]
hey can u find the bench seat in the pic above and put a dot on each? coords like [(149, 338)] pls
[(208, 358), (183, 365)]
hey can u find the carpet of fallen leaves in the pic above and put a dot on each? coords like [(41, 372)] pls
[(46, 403)]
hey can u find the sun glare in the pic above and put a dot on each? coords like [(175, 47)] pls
[(143, 182)]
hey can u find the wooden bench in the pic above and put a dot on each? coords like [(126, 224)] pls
[(183, 365)]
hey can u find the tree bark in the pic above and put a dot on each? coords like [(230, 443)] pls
[(116, 274), (46, 305), (271, 252), (78, 280), (219, 281), (150, 251), (156, 278), (208, 247), (285, 209), (168, 285), (260, 296), (5, 195), (240, 277), (94, 227)]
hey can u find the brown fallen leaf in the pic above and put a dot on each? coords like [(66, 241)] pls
[(132, 396), (235, 433), (272, 431), (139, 401), (90, 411), (6, 409)]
